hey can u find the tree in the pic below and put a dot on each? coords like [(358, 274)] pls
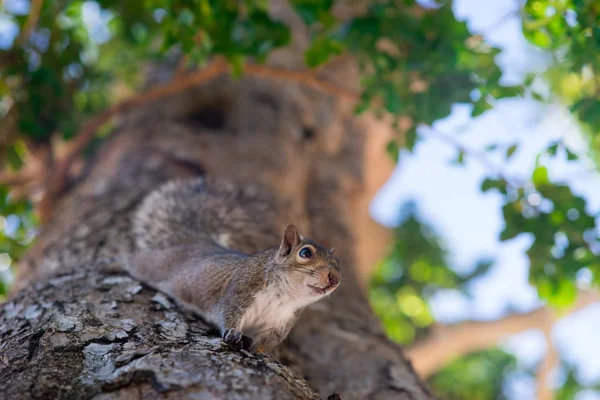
[(119, 344), (81, 157)]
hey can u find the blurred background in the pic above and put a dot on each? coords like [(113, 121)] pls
[(491, 281)]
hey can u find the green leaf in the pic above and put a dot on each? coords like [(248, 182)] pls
[(537, 96), (539, 38), (553, 148), (571, 156), (361, 108), (411, 138), (393, 104), (321, 50), (529, 79), (498, 184), (588, 110), (237, 65), (508, 233), (312, 11), (393, 150), (540, 176), (460, 159), (479, 107), (508, 91), (14, 157), (560, 293), (510, 151)]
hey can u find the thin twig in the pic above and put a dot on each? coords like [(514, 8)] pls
[(35, 9), (480, 156), (549, 363), (305, 78)]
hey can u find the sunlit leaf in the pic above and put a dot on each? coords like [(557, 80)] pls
[(510, 151), (540, 176), (480, 107)]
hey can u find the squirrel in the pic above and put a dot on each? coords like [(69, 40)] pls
[(183, 232)]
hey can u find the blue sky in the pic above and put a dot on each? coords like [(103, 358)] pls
[(449, 198)]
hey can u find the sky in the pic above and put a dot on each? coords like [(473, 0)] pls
[(449, 198)]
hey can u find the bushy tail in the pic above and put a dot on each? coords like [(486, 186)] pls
[(238, 217)]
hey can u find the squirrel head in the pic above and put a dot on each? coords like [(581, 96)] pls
[(310, 268)]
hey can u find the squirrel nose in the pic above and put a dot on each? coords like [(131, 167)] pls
[(333, 277)]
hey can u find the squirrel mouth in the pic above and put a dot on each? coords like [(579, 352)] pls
[(323, 290)]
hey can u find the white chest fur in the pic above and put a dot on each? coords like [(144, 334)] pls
[(270, 311)]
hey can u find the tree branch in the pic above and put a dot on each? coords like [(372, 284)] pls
[(214, 69), (447, 343), (18, 178), (185, 81), (305, 78), (550, 361), (35, 9)]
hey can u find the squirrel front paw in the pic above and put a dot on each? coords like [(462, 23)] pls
[(246, 342), (233, 337)]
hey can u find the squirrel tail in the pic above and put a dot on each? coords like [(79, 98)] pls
[(238, 217)]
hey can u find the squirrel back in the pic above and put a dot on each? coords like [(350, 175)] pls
[(200, 210)]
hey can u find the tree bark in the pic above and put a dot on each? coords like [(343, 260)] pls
[(72, 330)]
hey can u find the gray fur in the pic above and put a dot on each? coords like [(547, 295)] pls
[(186, 231)]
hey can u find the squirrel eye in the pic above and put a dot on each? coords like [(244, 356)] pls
[(305, 253)]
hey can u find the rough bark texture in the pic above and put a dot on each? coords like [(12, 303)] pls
[(85, 335), (89, 334)]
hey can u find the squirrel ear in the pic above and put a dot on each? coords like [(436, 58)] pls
[(291, 238), (332, 250)]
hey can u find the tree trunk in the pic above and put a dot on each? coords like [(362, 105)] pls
[(86, 333)]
